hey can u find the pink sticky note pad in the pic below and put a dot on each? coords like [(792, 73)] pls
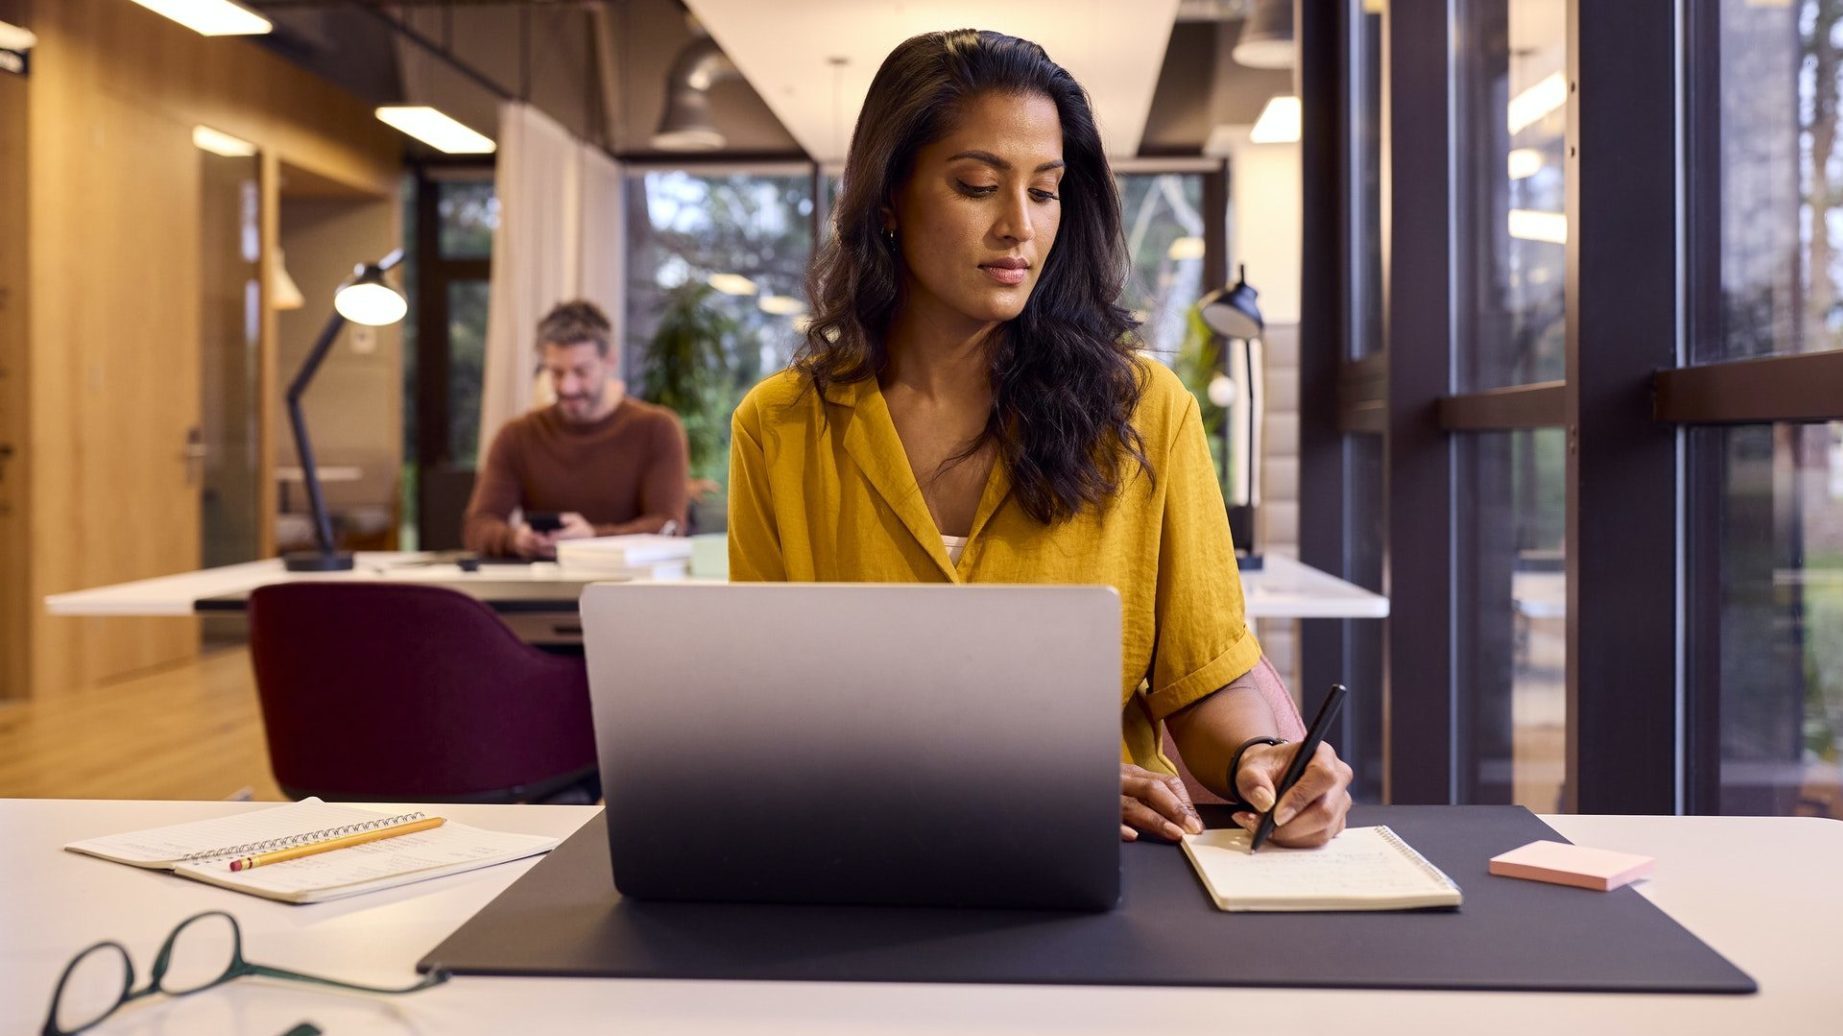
[(1599, 869)]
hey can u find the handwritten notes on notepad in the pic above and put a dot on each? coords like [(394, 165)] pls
[(1364, 868)]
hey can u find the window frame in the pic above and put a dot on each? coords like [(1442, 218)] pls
[(1644, 592)]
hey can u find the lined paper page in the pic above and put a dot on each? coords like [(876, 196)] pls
[(1359, 869), (166, 846), (381, 864)]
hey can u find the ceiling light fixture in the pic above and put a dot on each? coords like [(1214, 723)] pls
[(13, 37), (1267, 36), (685, 124), (436, 129), (1279, 122), (211, 17), (207, 139)]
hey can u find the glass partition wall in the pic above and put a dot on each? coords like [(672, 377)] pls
[(1605, 397)]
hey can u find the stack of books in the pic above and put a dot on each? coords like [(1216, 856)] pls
[(627, 557)]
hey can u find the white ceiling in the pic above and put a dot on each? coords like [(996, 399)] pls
[(1113, 48)]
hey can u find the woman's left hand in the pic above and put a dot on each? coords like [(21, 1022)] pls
[(1313, 812)]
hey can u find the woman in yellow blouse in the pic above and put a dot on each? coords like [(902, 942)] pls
[(969, 407)]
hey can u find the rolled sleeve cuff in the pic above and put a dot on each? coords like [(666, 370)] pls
[(1219, 672)]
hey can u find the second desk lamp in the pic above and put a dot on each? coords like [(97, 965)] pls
[(364, 299), (1232, 313)]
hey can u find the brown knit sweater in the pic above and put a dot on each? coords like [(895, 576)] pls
[(626, 473)]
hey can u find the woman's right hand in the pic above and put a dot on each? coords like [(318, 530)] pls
[(1155, 804)]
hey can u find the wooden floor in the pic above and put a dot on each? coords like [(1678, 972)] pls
[(191, 731)]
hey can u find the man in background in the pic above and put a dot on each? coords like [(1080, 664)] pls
[(602, 463)]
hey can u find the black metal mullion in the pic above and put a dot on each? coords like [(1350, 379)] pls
[(1703, 466), (1423, 708), (1323, 330), (1625, 713)]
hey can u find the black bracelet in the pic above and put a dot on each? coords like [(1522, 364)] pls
[(1235, 801)]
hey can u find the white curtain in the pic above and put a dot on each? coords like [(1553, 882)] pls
[(559, 237)]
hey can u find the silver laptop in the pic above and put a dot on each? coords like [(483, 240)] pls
[(926, 745)]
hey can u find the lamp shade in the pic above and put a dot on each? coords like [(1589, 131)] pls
[(282, 289), (1267, 37), (366, 299), (685, 124), (1232, 311)]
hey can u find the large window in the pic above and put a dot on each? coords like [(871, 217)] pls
[(1509, 510), (1166, 233), (1780, 177), (1511, 221), (1779, 533), (455, 211), (717, 263), (1613, 395), (1766, 498), (1511, 616)]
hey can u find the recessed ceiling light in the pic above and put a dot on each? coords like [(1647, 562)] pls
[(437, 130), (1279, 122), (211, 17), (207, 139)]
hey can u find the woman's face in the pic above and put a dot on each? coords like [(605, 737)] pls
[(976, 219)]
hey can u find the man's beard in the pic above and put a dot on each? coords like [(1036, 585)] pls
[(582, 406)]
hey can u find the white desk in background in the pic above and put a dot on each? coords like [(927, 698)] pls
[(539, 600), (288, 476), (1761, 890)]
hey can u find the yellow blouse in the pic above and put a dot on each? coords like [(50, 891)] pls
[(832, 499)]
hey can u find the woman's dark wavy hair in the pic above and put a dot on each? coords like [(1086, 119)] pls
[(1065, 382)]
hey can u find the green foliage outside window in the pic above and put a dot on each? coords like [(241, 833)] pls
[(687, 370)]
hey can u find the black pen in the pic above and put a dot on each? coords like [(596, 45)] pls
[(1303, 758)]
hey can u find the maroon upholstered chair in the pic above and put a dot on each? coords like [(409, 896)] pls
[(399, 692), (1279, 699)]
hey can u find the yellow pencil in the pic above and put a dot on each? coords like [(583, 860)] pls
[(334, 843)]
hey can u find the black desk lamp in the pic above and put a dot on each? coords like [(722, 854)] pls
[(365, 299), (1232, 313)]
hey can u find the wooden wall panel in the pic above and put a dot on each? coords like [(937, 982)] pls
[(114, 321)]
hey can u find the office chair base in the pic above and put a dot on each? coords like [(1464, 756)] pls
[(315, 561)]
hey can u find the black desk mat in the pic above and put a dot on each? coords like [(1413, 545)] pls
[(564, 917)]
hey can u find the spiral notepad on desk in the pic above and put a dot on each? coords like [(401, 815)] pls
[(202, 850), (1363, 868)]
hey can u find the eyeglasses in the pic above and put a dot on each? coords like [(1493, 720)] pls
[(205, 950)]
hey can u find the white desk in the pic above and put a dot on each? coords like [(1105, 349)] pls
[(193, 592), (1283, 589), (1762, 891)]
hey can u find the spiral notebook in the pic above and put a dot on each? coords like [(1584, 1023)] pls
[(1364, 868), (202, 851)]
